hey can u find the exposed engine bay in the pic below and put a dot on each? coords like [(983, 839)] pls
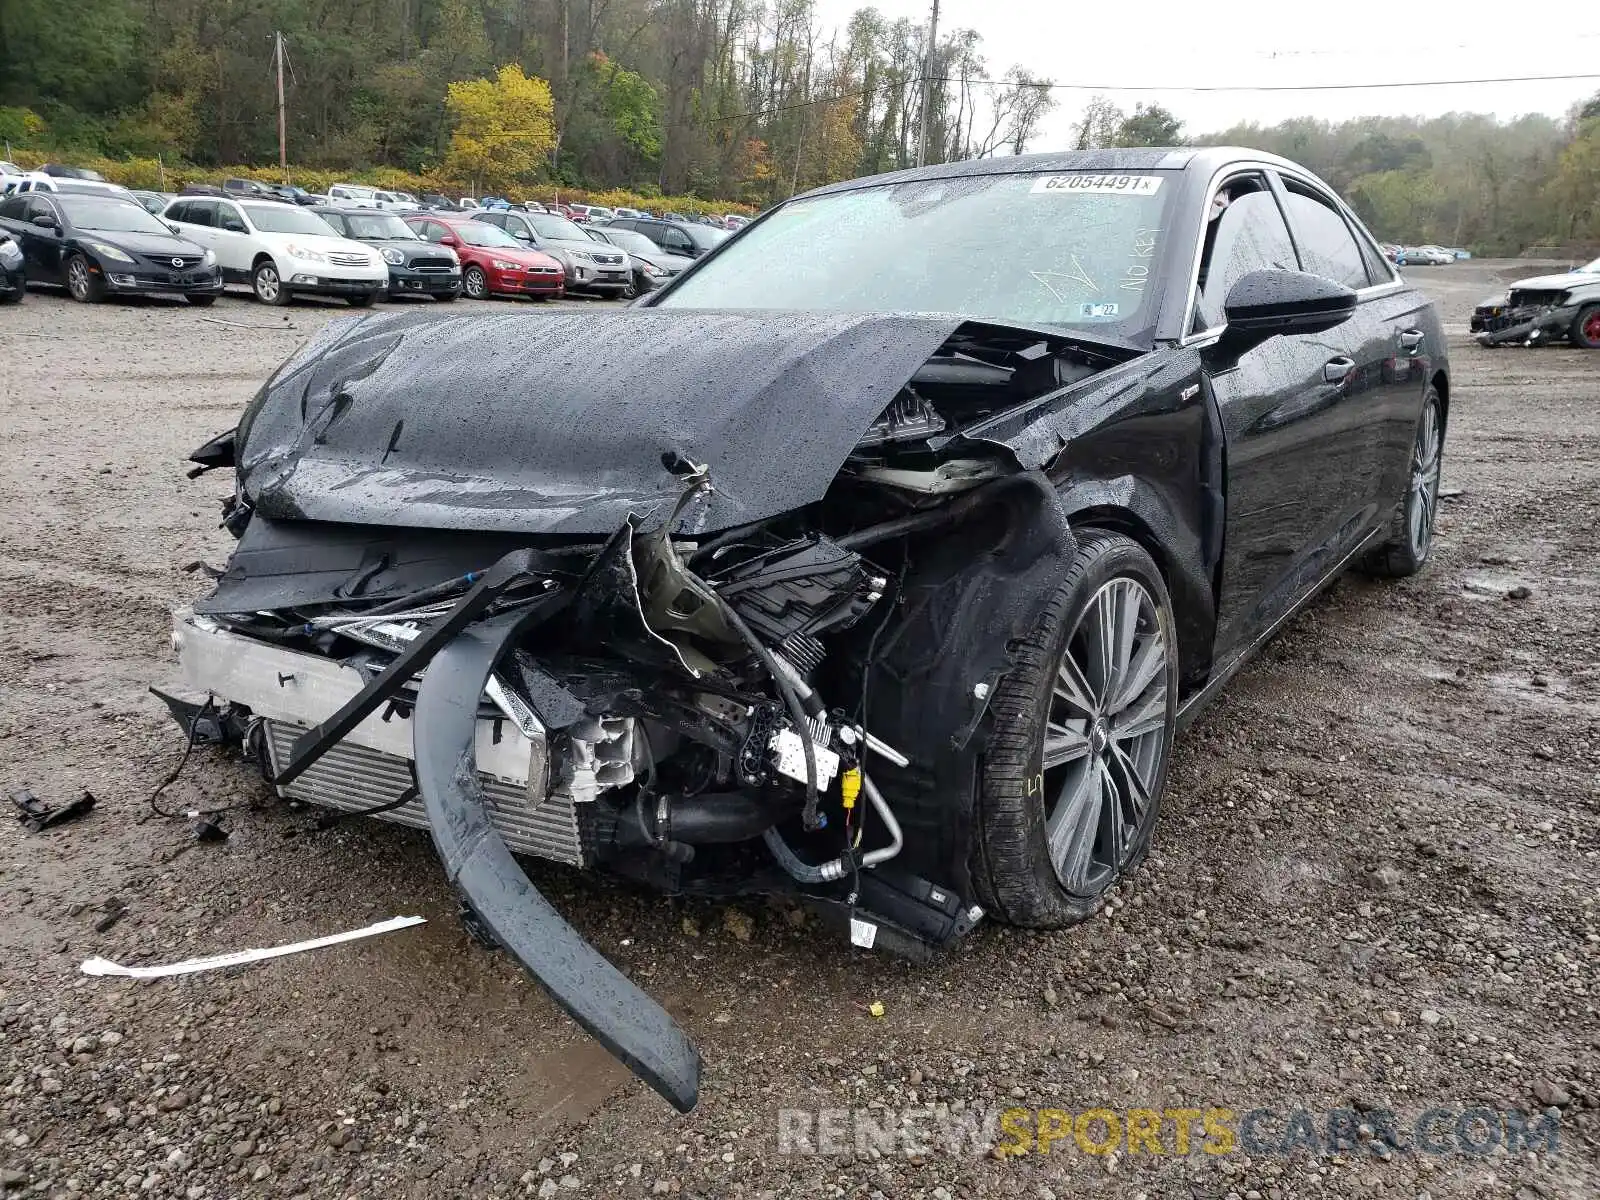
[(773, 684)]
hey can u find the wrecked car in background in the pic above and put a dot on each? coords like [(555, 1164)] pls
[(1546, 308), (851, 576)]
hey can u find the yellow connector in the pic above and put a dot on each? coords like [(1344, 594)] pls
[(850, 787)]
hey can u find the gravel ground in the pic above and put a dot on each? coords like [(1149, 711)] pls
[(1374, 885)]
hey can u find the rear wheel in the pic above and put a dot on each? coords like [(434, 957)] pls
[(268, 285), (1585, 330), (476, 283), (1412, 534), (1083, 732), (83, 283)]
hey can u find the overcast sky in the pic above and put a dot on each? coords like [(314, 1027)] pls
[(1267, 43)]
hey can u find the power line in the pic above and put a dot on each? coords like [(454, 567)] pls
[(1186, 88)]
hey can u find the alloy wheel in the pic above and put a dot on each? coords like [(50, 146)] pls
[(476, 284), (78, 279), (267, 283), (1423, 502), (1591, 326), (1106, 735)]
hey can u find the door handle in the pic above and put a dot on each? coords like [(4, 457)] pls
[(1411, 340), (1337, 370)]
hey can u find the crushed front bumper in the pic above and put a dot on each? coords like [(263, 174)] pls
[(1504, 325)]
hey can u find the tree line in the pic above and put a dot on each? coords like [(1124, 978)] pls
[(738, 100)]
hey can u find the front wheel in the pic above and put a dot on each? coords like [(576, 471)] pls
[(201, 301), (1585, 330), (83, 284), (446, 297), (268, 285), (361, 301), (1411, 537), (476, 283), (1083, 731)]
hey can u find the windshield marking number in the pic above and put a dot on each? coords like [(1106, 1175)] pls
[(1099, 185)]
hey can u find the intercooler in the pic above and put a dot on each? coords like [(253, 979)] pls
[(351, 777)]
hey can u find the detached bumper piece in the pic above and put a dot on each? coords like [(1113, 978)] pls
[(593, 992), (1524, 325)]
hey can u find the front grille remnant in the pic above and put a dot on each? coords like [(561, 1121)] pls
[(351, 777)]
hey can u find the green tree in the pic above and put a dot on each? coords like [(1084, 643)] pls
[(1149, 125), (503, 129)]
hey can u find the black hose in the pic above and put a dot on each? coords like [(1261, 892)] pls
[(930, 518)]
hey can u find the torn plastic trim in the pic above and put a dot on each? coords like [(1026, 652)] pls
[(609, 1006)]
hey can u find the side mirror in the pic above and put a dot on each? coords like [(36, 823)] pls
[(171, 225), (46, 221), (1264, 304), (449, 239), (233, 227), (522, 235)]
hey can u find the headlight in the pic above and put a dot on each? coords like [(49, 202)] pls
[(10, 255), (208, 259), (585, 255), (393, 257), (111, 252), (305, 255), (653, 271), (501, 265)]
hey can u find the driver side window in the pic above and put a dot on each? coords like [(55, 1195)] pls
[(1245, 232)]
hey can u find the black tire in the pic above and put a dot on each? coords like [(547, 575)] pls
[(475, 283), (268, 285), (1410, 536), (12, 297), (1017, 879), (201, 301), (1585, 328), (361, 301), (447, 297), (83, 284)]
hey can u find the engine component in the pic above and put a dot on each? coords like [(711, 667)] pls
[(668, 823), (789, 758), (801, 589), (908, 418), (599, 757)]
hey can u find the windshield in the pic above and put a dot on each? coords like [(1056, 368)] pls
[(634, 243), (109, 214), (550, 225), (1590, 268), (481, 233), (370, 227), (705, 237), (281, 218), (1069, 249)]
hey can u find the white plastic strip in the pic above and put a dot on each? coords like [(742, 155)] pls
[(103, 966)]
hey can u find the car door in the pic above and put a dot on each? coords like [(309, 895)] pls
[(1278, 406), (231, 238), (195, 220), (676, 241), (1354, 441), (44, 249)]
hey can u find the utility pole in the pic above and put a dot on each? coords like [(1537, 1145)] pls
[(927, 85), (283, 141)]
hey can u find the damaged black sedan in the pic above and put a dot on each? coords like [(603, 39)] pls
[(883, 576)]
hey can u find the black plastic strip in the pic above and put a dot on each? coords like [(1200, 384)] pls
[(613, 1010)]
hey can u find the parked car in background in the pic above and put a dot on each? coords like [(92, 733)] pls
[(1424, 256), (493, 263), (35, 181), (437, 200), (1544, 308), (353, 195), (10, 168), (593, 268), (293, 194), (394, 201), (62, 171), (248, 189), (417, 267), (94, 244), (154, 203), (734, 222), (13, 279), (691, 241), (652, 266), (466, 203), (627, 212), (281, 250)]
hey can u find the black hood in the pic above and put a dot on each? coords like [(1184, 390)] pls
[(569, 422), (147, 245)]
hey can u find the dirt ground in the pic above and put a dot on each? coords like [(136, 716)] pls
[(1374, 884)]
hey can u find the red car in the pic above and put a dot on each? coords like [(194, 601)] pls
[(493, 263)]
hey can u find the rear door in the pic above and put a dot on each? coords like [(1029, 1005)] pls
[(43, 250), (231, 239), (1279, 405)]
